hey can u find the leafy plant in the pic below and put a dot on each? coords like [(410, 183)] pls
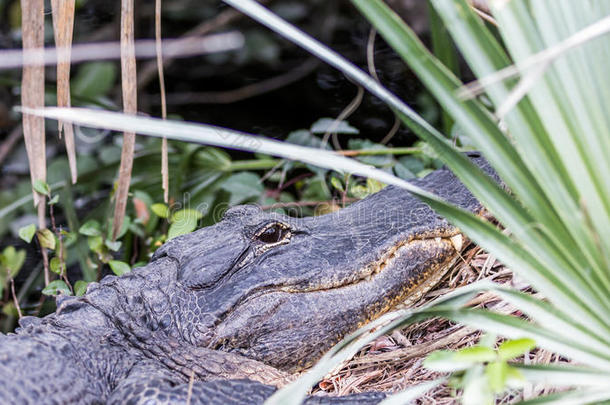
[(550, 148), (546, 131), (11, 261), (480, 371)]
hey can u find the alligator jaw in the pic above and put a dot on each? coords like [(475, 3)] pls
[(368, 273), (405, 272)]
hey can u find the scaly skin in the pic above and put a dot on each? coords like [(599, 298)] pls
[(235, 307)]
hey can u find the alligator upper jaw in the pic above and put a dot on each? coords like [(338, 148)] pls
[(387, 259), (368, 273)]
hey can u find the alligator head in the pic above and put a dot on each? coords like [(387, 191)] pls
[(278, 289), (283, 290)]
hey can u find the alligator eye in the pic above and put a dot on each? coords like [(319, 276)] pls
[(273, 233)]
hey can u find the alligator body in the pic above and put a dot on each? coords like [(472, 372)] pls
[(224, 314)]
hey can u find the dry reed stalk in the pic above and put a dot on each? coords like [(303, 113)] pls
[(32, 96), (130, 95), (63, 24)]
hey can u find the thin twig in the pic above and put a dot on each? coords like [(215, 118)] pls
[(484, 15), (15, 300), (370, 62), (393, 130), (9, 143), (60, 249), (347, 111), (164, 158)]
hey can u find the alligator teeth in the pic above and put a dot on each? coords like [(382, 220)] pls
[(437, 239), (457, 242)]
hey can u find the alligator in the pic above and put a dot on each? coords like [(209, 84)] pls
[(225, 314)]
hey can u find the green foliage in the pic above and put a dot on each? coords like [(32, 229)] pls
[(551, 152), (42, 187), (480, 371), (324, 125), (80, 287), (182, 222), (94, 79), (118, 267), (554, 160), (90, 228), (161, 210), (11, 261), (46, 238), (56, 266), (57, 287), (362, 191), (27, 232)]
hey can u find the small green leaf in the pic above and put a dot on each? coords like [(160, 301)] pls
[(27, 232), (323, 125), (46, 238), (56, 265), (358, 191), (475, 354), (95, 243), (94, 79), (80, 287), (57, 287), (186, 214), (212, 158), (514, 377), (243, 186), (42, 187), (373, 185), (181, 227), (497, 372), (90, 228), (515, 348), (114, 246), (9, 309), (336, 183), (118, 267), (475, 388), (161, 210), (68, 238), (11, 259), (54, 200)]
